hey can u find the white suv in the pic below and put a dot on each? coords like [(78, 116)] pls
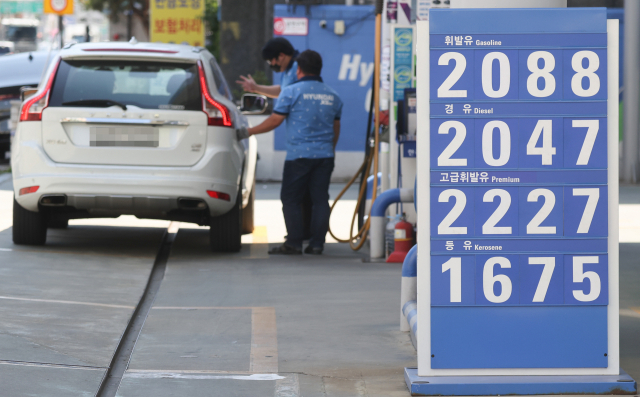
[(133, 128)]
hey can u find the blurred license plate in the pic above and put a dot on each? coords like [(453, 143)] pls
[(125, 136)]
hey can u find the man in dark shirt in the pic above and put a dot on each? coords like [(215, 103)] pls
[(312, 110)]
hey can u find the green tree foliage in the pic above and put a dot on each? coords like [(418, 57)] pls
[(213, 27)]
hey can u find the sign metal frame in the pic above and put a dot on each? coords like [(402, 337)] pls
[(424, 222)]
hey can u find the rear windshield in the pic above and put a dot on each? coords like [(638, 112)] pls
[(149, 85), (19, 33), (221, 83)]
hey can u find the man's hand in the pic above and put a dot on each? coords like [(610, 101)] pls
[(242, 133), (267, 125), (248, 84)]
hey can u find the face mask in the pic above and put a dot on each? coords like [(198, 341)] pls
[(275, 67)]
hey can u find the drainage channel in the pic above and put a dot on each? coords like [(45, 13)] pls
[(122, 356)]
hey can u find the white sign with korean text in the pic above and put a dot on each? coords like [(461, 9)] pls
[(283, 26)]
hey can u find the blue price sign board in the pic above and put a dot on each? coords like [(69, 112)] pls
[(518, 196)]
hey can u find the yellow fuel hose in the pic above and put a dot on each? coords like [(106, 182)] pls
[(357, 241)]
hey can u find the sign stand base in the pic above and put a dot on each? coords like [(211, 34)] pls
[(621, 384)]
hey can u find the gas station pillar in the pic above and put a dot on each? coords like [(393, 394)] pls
[(631, 120)]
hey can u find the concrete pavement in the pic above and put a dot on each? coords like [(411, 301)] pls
[(330, 322), (222, 325), (64, 306)]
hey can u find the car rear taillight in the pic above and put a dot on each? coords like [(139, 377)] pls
[(27, 190), (218, 113), (32, 108), (219, 195)]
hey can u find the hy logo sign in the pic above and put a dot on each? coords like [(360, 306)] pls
[(351, 65)]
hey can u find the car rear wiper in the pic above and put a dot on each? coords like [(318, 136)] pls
[(95, 102)]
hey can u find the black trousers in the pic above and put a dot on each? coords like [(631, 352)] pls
[(302, 176), (307, 207)]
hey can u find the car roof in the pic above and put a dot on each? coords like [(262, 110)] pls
[(26, 67), (132, 50)]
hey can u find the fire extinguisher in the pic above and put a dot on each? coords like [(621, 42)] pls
[(403, 241)]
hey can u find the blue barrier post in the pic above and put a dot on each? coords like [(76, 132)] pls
[(408, 286), (378, 220)]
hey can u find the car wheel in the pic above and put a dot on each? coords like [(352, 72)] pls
[(225, 231), (247, 213), (29, 228), (58, 223)]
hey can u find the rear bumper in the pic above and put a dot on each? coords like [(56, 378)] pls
[(73, 206), (94, 204), (131, 190), (117, 196)]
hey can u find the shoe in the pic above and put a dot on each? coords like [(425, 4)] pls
[(313, 250), (285, 249)]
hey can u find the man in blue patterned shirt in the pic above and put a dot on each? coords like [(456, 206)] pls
[(312, 110), (281, 57)]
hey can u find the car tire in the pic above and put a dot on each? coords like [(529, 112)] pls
[(29, 228), (58, 223), (225, 231), (247, 213)]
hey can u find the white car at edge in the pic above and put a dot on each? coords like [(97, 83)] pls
[(133, 128)]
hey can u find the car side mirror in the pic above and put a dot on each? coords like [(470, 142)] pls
[(253, 104), (26, 92)]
